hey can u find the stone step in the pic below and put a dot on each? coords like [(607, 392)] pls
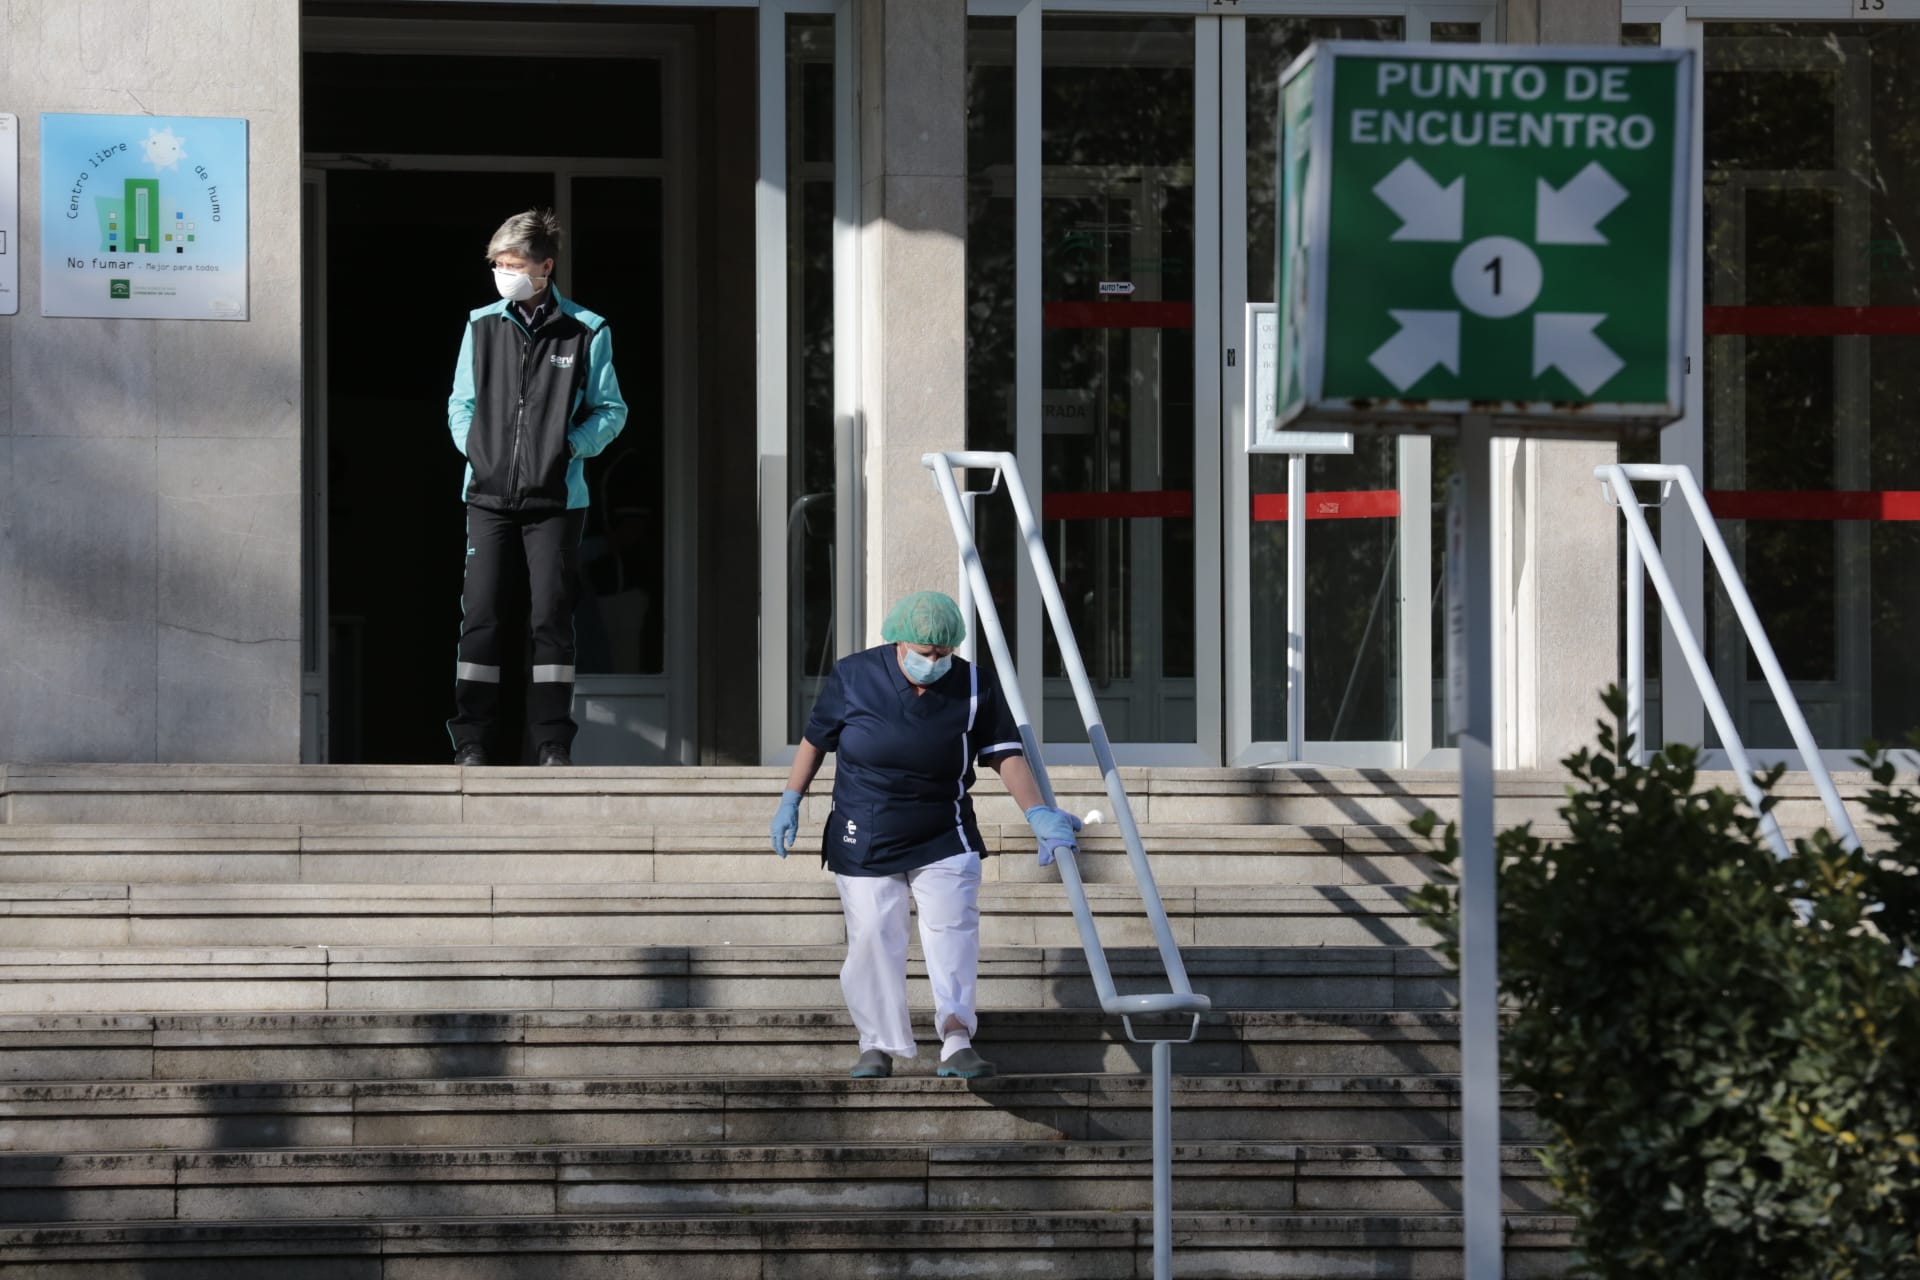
[(917, 1107), (202, 794), (287, 1047), (383, 1182), (155, 979), (74, 915), (1288, 1245), (667, 853)]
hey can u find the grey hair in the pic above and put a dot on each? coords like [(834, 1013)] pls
[(534, 235)]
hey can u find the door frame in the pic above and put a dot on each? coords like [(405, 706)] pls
[(1682, 710), (1413, 584), (1028, 430), (673, 46), (316, 667), (1223, 642), (774, 324)]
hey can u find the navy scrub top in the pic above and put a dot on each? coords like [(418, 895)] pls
[(905, 761)]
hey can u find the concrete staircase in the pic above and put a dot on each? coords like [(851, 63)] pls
[(411, 1023)]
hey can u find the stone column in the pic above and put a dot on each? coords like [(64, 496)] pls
[(913, 132), (150, 469), (1558, 576)]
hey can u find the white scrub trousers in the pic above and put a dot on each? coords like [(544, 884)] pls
[(946, 895)]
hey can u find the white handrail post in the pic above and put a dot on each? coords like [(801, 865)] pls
[(1636, 647), (1076, 667), (1615, 475), (1769, 661), (1618, 480), (1183, 998), (1162, 1159), (989, 616), (963, 592)]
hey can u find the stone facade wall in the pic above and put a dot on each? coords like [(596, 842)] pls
[(150, 470)]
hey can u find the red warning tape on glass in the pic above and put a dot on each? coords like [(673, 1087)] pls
[(1117, 315), (1369, 504), (1801, 504), (1176, 504), (1384, 504), (1811, 322)]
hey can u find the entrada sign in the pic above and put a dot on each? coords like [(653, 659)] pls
[(1498, 230)]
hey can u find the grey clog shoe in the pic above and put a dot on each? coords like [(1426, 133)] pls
[(874, 1064), (966, 1064)]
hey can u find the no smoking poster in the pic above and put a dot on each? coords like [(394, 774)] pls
[(143, 217)]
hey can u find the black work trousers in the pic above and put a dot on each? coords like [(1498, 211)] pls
[(501, 547)]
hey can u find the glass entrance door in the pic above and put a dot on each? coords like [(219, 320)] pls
[(1811, 330), (1118, 399), (1368, 584), (1152, 233), (383, 524)]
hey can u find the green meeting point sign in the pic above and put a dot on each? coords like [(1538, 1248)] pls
[(1483, 229)]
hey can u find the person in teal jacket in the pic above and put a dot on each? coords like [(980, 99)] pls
[(534, 396)]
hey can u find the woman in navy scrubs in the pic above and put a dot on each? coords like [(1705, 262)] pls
[(909, 721)]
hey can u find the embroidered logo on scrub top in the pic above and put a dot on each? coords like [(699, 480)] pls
[(848, 838)]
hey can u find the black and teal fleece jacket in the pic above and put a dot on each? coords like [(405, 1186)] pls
[(529, 406)]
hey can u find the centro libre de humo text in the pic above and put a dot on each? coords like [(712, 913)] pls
[(1501, 82)]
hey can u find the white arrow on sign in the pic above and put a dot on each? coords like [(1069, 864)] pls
[(1427, 210), (1426, 339), (1573, 214), (1566, 341)]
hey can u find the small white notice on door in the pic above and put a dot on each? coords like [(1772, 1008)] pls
[(9, 214), (1122, 287), (1262, 392)]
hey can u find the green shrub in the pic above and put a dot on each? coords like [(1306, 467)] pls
[(1723, 1047)]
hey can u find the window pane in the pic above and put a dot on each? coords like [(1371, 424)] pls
[(812, 556), (1117, 285), (1812, 173), (1353, 611), (990, 295), (620, 624)]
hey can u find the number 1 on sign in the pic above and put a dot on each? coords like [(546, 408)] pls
[(1493, 269)]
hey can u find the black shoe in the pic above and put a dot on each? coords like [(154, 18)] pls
[(552, 753), (472, 753)]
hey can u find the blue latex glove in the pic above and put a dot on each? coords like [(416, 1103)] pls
[(786, 822), (1054, 829)]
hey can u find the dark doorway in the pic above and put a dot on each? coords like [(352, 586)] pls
[(411, 196), (423, 129), (405, 263)]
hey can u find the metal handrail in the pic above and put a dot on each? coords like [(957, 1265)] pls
[(1643, 556), (1182, 998)]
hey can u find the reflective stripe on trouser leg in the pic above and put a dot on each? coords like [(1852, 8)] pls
[(476, 679), (874, 977), (553, 584), (946, 894)]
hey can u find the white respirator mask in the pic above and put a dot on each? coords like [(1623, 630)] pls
[(514, 286)]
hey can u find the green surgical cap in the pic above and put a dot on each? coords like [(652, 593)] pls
[(925, 617)]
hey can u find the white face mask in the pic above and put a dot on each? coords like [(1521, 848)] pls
[(514, 286)]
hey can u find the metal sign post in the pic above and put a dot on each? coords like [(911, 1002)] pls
[(1485, 240)]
